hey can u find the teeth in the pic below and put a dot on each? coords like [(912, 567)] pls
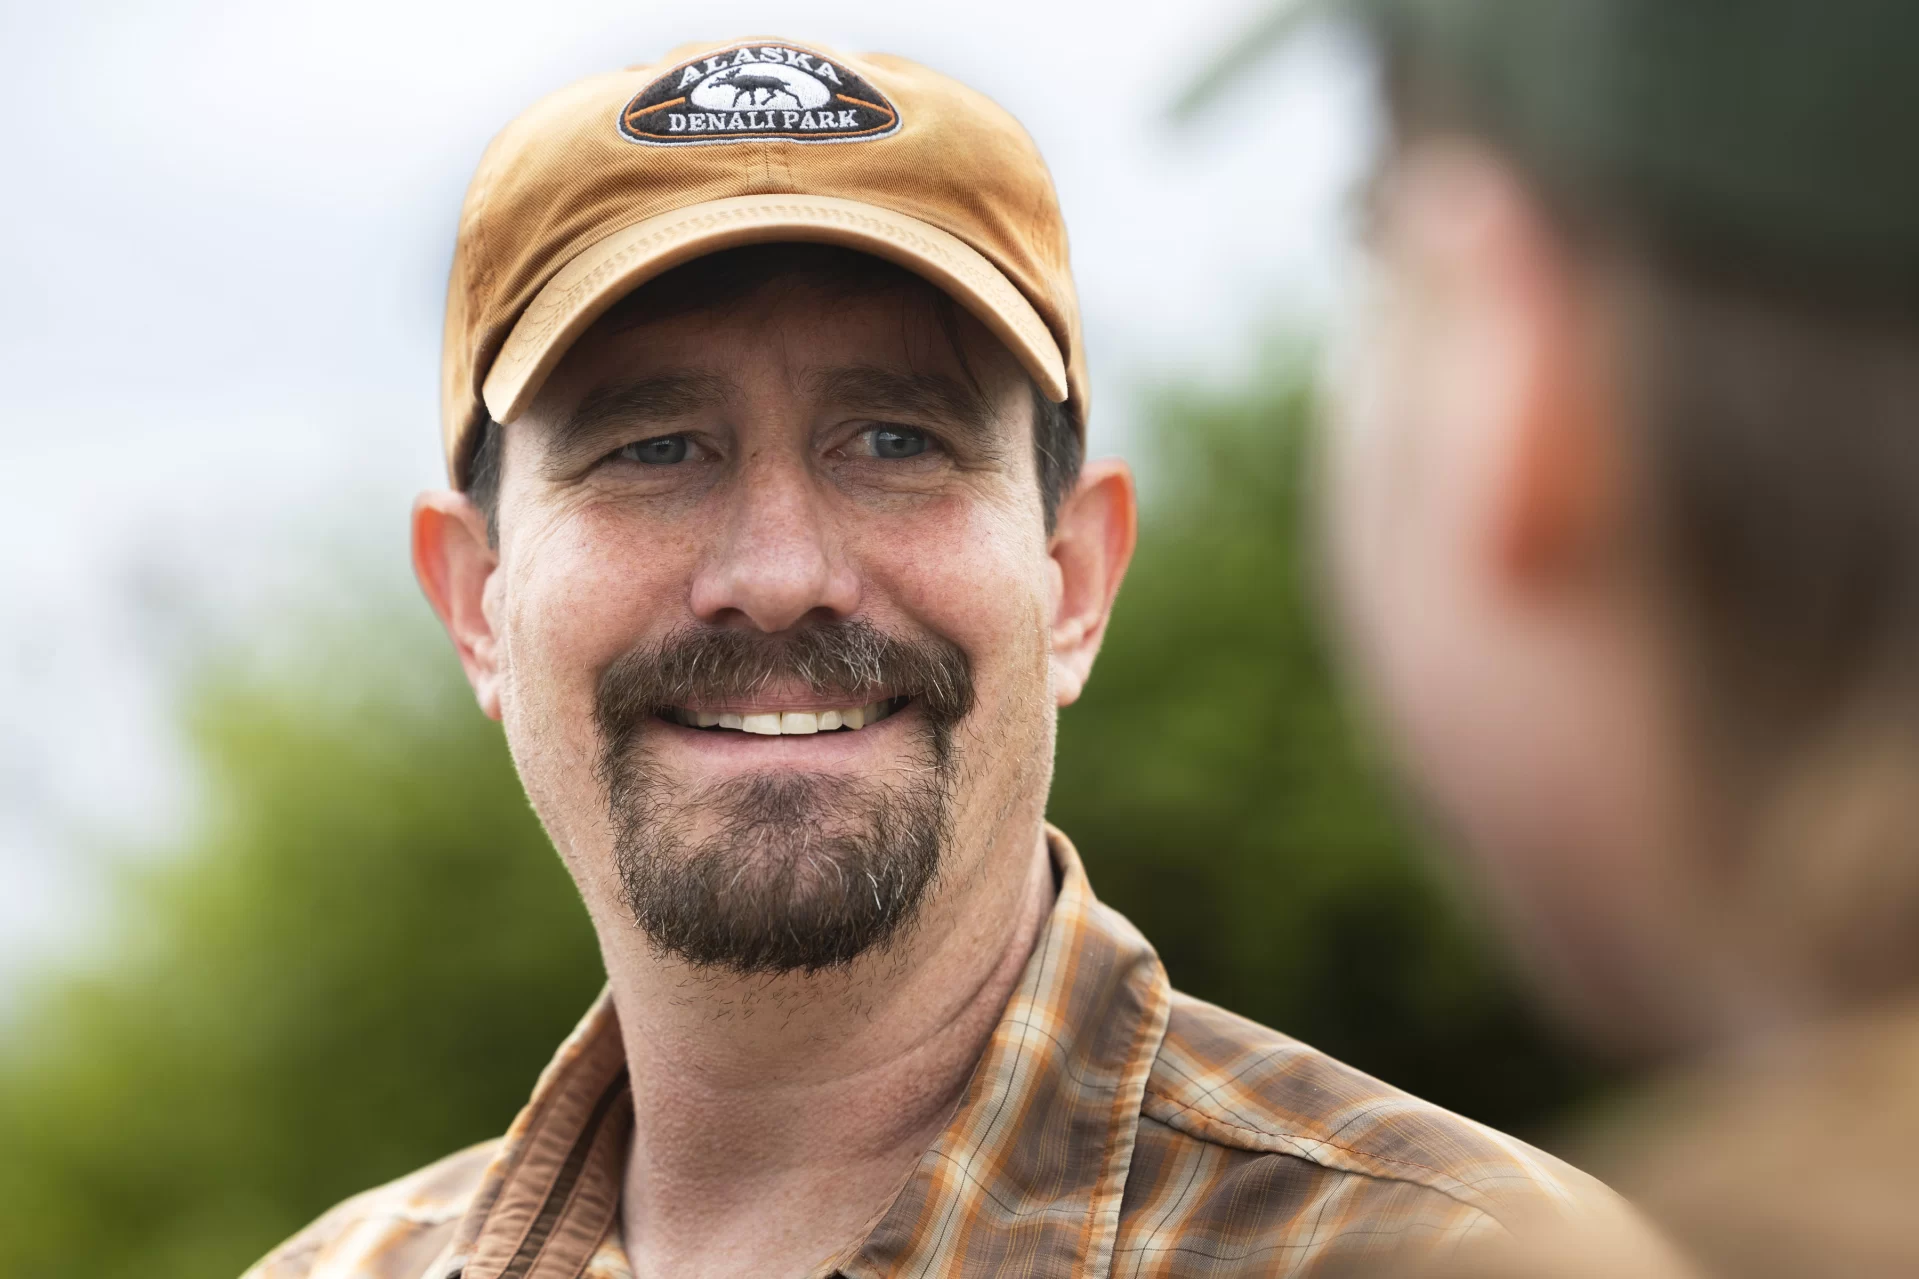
[(787, 723)]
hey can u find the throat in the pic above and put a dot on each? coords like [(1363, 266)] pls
[(777, 1118)]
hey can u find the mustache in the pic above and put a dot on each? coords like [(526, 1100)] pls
[(849, 662)]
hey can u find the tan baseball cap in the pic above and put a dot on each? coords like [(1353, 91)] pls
[(610, 182)]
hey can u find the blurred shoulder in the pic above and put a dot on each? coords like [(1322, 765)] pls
[(390, 1232), (1222, 1079), (1797, 1154)]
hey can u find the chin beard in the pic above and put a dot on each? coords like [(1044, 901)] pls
[(798, 873), (779, 872)]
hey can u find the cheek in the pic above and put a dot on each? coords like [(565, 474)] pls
[(981, 578), (1382, 481), (581, 590), (973, 571), (1401, 597), (1372, 517)]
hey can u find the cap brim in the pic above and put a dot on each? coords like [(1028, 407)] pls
[(608, 270)]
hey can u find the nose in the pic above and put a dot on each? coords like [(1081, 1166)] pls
[(778, 557)]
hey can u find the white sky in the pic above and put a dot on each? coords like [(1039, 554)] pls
[(224, 238)]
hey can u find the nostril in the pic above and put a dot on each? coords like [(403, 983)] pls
[(772, 622), (774, 571)]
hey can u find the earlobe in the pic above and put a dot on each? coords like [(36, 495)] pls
[(1092, 544), (454, 560)]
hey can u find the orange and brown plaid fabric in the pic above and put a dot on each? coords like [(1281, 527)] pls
[(1114, 1127)]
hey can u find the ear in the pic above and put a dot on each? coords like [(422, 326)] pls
[(454, 559), (1092, 544), (1529, 361), (1562, 511)]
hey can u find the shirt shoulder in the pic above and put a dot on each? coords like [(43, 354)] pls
[(1234, 1084), (393, 1231)]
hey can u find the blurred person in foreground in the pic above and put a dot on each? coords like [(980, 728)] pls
[(1625, 522), (772, 550)]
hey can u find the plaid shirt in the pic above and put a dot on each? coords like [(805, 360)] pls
[(1113, 1127)]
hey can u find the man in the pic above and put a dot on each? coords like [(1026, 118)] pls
[(772, 551), (1626, 523)]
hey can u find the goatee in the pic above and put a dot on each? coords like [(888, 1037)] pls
[(798, 872)]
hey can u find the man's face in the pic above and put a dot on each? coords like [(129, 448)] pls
[(772, 617)]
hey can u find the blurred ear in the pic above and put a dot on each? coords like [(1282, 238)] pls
[(1092, 544), (1562, 517), (1528, 361), (453, 559)]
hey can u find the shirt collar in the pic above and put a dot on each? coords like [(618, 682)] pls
[(553, 1189), (1031, 1168)]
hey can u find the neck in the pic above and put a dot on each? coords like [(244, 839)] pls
[(776, 1117)]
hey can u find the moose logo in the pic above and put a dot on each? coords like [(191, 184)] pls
[(759, 92), (743, 88)]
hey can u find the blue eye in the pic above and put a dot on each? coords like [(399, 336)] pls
[(895, 442), (662, 450)]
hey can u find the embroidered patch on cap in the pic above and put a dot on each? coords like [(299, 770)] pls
[(758, 92)]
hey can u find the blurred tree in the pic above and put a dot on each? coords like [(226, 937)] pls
[(1229, 67), (359, 964), (367, 950)]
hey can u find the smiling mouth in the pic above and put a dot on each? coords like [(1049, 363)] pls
[(850, 719)]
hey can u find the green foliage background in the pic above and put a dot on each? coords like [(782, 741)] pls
[(367, 948)]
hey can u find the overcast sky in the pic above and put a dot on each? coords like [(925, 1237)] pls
[(225, 234)]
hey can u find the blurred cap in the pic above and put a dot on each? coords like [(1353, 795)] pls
[(608, 183), (1760, 133)]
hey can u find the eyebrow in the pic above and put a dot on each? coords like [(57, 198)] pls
[(910, 395), (660, 400)]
